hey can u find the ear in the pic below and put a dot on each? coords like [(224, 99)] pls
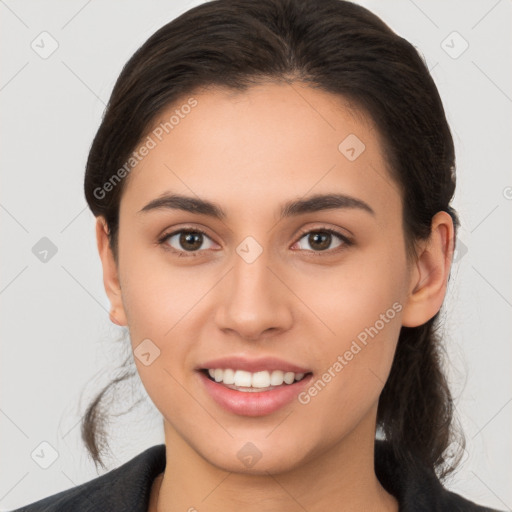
[(110, 273), (429, 275)]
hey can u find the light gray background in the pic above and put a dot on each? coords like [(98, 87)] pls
[(57, 340)]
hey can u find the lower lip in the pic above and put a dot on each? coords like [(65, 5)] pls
[(253, 403)]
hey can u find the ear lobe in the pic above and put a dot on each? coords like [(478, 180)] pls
[(110, 273), (430, 273)]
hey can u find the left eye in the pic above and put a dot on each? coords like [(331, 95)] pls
[(321, 239)]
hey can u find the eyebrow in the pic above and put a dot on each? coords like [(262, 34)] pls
[(292, 208)]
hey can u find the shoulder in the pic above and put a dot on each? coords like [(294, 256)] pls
[(455, 502), (418, 490), (438, 498), (124, 488)]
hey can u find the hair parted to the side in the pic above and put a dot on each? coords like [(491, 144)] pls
[(341, 48)]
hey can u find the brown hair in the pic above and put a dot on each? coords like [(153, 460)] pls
[(341, 48)]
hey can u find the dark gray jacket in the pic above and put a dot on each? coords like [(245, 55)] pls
[(127, 488)]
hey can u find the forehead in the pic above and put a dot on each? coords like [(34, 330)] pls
[(262, 145)]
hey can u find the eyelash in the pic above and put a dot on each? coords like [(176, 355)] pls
[(347, 242)]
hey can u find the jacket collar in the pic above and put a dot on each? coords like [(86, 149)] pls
[(128, 486)]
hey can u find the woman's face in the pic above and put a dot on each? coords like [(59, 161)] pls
[(259, 284)]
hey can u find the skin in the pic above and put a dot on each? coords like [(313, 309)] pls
[(250, 152)]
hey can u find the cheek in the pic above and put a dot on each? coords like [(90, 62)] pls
[(367, 291), (164, 305), (360, 308), (156, 293), (353, 368)]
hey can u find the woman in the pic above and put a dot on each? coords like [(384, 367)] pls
[(272, 184)]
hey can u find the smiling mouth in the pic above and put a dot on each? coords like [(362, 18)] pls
[(241, 380)]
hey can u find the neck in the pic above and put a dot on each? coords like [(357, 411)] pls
[(344, 474)]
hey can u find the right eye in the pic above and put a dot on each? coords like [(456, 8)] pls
[(190, 241)]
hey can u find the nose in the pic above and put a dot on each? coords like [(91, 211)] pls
[(254, 301)]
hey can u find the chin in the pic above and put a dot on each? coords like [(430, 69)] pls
[(272, 463), (256, 455)]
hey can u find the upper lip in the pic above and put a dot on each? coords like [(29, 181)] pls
[(252, 364)]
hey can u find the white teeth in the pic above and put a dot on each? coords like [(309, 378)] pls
[(260, 380), (277, 378), (289, 377), (241, 378), (228, 376), (263, 379)]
